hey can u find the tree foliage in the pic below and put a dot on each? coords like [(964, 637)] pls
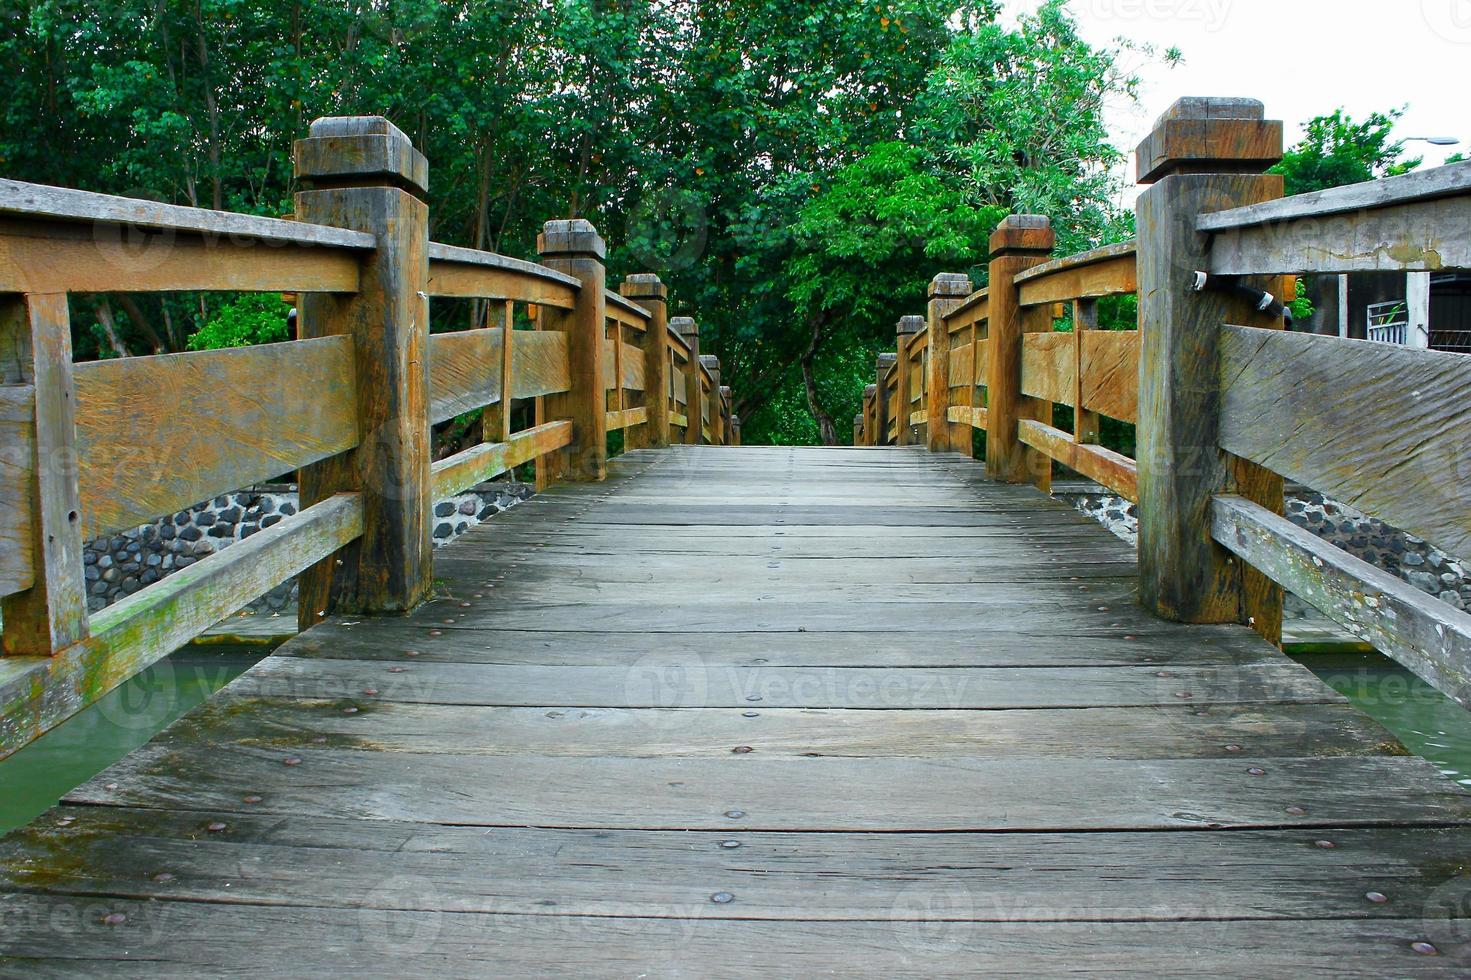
[(795, 170), (1335, 150)]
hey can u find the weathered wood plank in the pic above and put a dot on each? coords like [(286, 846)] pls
[(329, 863), (973, 416), (149, 624), (17, 510), (1106, 271), (1430, 637), (66, 257), (1114, 470), (1110, 383), (909, 942), (627, 417), (487, 460), (40, 201), (826, 794), (52, 614), (1296, 730), (285, 405), (1048, 371), (1294, 403), (1452, 180), (464, 369), (661, 682), (468, 272), (1421, 236)]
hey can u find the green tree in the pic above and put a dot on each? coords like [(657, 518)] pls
[(1336, 150)]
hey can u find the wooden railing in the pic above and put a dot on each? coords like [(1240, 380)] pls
[(1226, 402), (96, 448)]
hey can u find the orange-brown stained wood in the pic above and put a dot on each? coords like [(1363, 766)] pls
[(647, 291), (1019, 243), (575, 248), (388, 568), (946, 292), (51, 614)]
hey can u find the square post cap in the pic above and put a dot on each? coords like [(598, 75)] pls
[(725, 392), (643, 285), (870, 390), (1023, 234), (858, 421), (886, 360), (684, 326), (949, 284), (909, 325), (571, 237), (359, 151), (1210, 135), (711, 363)]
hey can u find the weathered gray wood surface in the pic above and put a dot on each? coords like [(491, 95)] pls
[(554, 768), (1295, 403)]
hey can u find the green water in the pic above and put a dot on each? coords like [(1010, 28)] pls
[(1430, 724), (33, 779)]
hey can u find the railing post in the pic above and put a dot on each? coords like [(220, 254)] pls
[(904, 332), (941, 435), (725, 416), (858, 429), (870, 415), (36, 344), (711, 363), (575, 247), (690, 331), (735, 430), (647, 291), (1019, 242), (881, 407), (362, 173), (1205, 154)]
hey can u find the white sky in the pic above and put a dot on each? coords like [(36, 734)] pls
[(1302, 58)]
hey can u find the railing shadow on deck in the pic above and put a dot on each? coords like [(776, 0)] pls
[(92, 448), (1226, 402)]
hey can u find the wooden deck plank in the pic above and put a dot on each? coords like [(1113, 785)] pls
[(315, 861)]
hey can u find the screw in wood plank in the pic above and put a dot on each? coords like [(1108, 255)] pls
[(350, 710), (163, 876), (730, 845), (1378, 898), (722, 898), (742, 749), (291, 760), (114, 919), (735, 814), (1326, 845), (1424, 948), (252, 798), (217, 826), (1296, 811), (1256, 771), (750, 714), (1233, 747)]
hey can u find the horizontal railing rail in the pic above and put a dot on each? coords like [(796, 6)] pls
[(99, 448)]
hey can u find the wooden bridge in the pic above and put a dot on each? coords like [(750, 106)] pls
[(714, 710)]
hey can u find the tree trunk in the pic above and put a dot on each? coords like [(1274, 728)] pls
[(826, 428)]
